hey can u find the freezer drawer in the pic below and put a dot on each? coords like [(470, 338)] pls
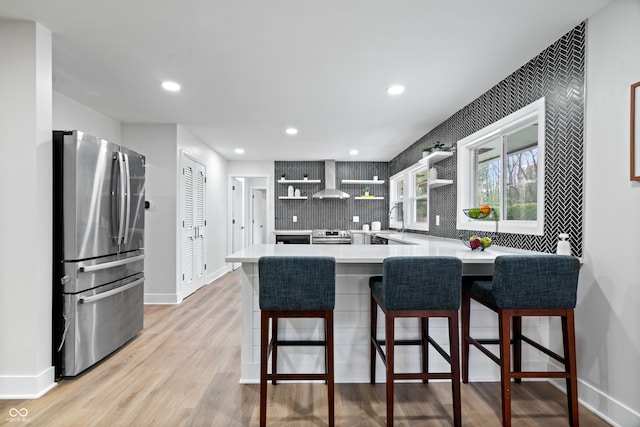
[(100, 321), (79, 276)]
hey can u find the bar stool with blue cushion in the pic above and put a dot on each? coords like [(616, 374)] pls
[(526, 285), (420, 287), (294, 287)]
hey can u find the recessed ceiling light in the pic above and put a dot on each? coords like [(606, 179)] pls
[(291, 131), (171, 86), (239, 151), (395, 89), (353, 152)]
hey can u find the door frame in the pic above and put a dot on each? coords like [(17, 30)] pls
[(186, 289), (270, 206), (252, 212)]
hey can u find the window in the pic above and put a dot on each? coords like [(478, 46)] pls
[(502, 166), (396, 212), (409, 193), (420, 198)]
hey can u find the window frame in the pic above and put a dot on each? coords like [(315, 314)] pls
[(395, 198), (414, 198), (532, 113), (408, 198)]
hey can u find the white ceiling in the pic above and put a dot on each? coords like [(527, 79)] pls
[(251, 68)]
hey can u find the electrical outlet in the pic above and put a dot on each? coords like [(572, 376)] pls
[(437, 219), (356, 219), (295, 218)]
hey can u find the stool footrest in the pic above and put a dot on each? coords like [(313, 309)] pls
[(540, 374), (479, 346), (543, 349), (290, 377), (403, 342), (301, 343), (492, 341), (422, 376)]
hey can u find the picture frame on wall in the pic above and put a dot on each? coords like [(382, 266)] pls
[(635, 132)]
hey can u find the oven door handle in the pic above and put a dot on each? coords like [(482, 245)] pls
[(94, 298)]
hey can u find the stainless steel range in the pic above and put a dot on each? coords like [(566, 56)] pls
[(330, 237)]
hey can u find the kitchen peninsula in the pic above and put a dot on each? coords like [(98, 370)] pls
[(354, 265)]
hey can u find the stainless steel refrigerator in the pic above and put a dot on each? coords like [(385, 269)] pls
[(98, 249)]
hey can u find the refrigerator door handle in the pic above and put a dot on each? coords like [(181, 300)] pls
[(94, 298), (121, 198), (127, 198), (106, 265)]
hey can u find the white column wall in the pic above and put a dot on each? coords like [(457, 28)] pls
[(162, 145), (607, 315), (25, 219), (161, 265)]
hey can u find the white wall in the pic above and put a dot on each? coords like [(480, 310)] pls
[(158, 144), (69, 114), (607, 316), (163, 145), (25, 218)]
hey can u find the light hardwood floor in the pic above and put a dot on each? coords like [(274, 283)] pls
[(183, 370)]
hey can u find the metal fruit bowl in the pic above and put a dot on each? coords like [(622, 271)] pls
[(467, 243), (476, 213)]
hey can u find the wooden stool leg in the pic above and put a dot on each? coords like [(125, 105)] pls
[(505, 366), (424, 328), (330, 367), (326, 348), (454, 354), (390, 337), (274, 348), (569, 339), (374, 327), (466, 314), (517, 345), (264, 357)]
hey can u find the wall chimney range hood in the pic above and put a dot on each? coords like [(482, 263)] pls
[(330, 191)]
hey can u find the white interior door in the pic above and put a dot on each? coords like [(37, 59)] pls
[(193, 202), (237, 216), (258, 216)]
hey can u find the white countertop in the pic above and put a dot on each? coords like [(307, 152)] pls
[(359, 254), (292, 232)]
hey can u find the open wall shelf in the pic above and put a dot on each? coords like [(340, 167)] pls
[(363, 181), (299, 181), (439, 183), (435, 157)]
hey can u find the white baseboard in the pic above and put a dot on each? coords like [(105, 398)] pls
[(27, 386), (173, 299), (214, 275), (167, 299), (606, 407)]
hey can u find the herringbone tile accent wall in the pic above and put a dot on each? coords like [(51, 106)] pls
[(331, 213), (558, 75)]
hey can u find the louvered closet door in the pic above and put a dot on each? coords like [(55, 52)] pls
[(193, 225)]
